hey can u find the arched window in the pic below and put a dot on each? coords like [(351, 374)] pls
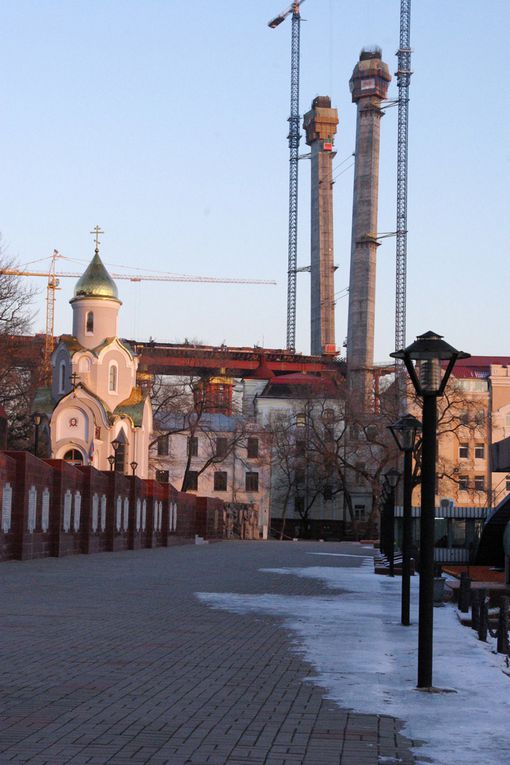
[(112, 381), (62, 377), (89, 327), (74, 457)]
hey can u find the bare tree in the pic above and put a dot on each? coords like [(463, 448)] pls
[(182, 406), (17, 382)]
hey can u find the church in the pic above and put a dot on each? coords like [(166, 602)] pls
[(99, 415)]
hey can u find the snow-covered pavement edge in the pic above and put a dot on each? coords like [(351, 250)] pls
[(367, 661)]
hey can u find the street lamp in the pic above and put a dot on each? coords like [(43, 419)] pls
[(133, 465), (431, 355), (111, 460), (115, 446), (390, 482), (404, 432), (36, 419)]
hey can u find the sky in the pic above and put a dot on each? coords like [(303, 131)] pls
[(165, 122), (467, 723)]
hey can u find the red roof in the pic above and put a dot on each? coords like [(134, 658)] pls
[(478, 367)]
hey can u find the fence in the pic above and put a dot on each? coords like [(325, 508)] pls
[(51, 508)]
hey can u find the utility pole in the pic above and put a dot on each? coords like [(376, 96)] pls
[(294, 138)]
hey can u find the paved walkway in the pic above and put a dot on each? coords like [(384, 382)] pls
[(111, 659)]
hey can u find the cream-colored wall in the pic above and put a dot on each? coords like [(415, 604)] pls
[(235, 465), (105, 320)]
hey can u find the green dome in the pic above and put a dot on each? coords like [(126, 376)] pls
[(96, 282)]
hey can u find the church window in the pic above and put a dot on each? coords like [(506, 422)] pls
[(62, 377), (112, 385), (74, 457), (90, 323)]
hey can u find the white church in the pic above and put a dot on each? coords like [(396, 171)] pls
[(100, 416)]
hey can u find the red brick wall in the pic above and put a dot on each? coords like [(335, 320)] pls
[(7, 483), (136, 537), (67, 508), (157, 509), (31, 507), (209, 519), (94, 509), (117, 511)]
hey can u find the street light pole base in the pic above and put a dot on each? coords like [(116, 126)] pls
[(433, 689)]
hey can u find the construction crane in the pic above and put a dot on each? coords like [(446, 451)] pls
[(403, 80), (53, 280), (294, 137)]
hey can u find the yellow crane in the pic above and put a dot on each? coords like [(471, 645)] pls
[(53, 280)]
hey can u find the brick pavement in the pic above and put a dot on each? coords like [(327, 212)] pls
[(110, 658)]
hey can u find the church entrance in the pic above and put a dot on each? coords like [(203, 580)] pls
[(73, 457)]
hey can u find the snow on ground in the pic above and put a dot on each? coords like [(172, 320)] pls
[(367, 661)]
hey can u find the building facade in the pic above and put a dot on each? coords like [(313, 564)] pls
[(98, 413)]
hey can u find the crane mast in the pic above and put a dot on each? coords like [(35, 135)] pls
[(403, 80), (294, 138)]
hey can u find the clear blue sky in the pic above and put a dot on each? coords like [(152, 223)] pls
[(165, 122)]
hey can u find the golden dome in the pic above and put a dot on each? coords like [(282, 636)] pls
[(96, 282)]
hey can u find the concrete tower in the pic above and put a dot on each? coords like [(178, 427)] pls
[(320, 125), (369, 85)]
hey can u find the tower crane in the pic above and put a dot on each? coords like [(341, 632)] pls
[(403, 80), (294, 137), (53, 281)]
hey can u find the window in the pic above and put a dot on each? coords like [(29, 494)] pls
[(299, 475), (163, 476), (221, 448), (299, 506), (464, 418), (327, 493), (163, 446), (253, 448), (329, 415), (479, 452), (62, 377), (191, 481), (89, 325), (74, 457), (359, 512), (220, 481), (463, 451), (300, 448), (300, 420), (112, 378), (463, 483), (193, 446), (252, 481), (355, 431), (479, 483)]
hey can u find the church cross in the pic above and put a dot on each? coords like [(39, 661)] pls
[(97, 231), (74, 380)]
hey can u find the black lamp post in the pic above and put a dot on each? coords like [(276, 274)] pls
[(36, 419), (133, 465), (404, 432), (115, 446), (390, 482), (431, 353), (111, 460)]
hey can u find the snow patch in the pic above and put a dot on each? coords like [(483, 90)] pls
[(367, 661)]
